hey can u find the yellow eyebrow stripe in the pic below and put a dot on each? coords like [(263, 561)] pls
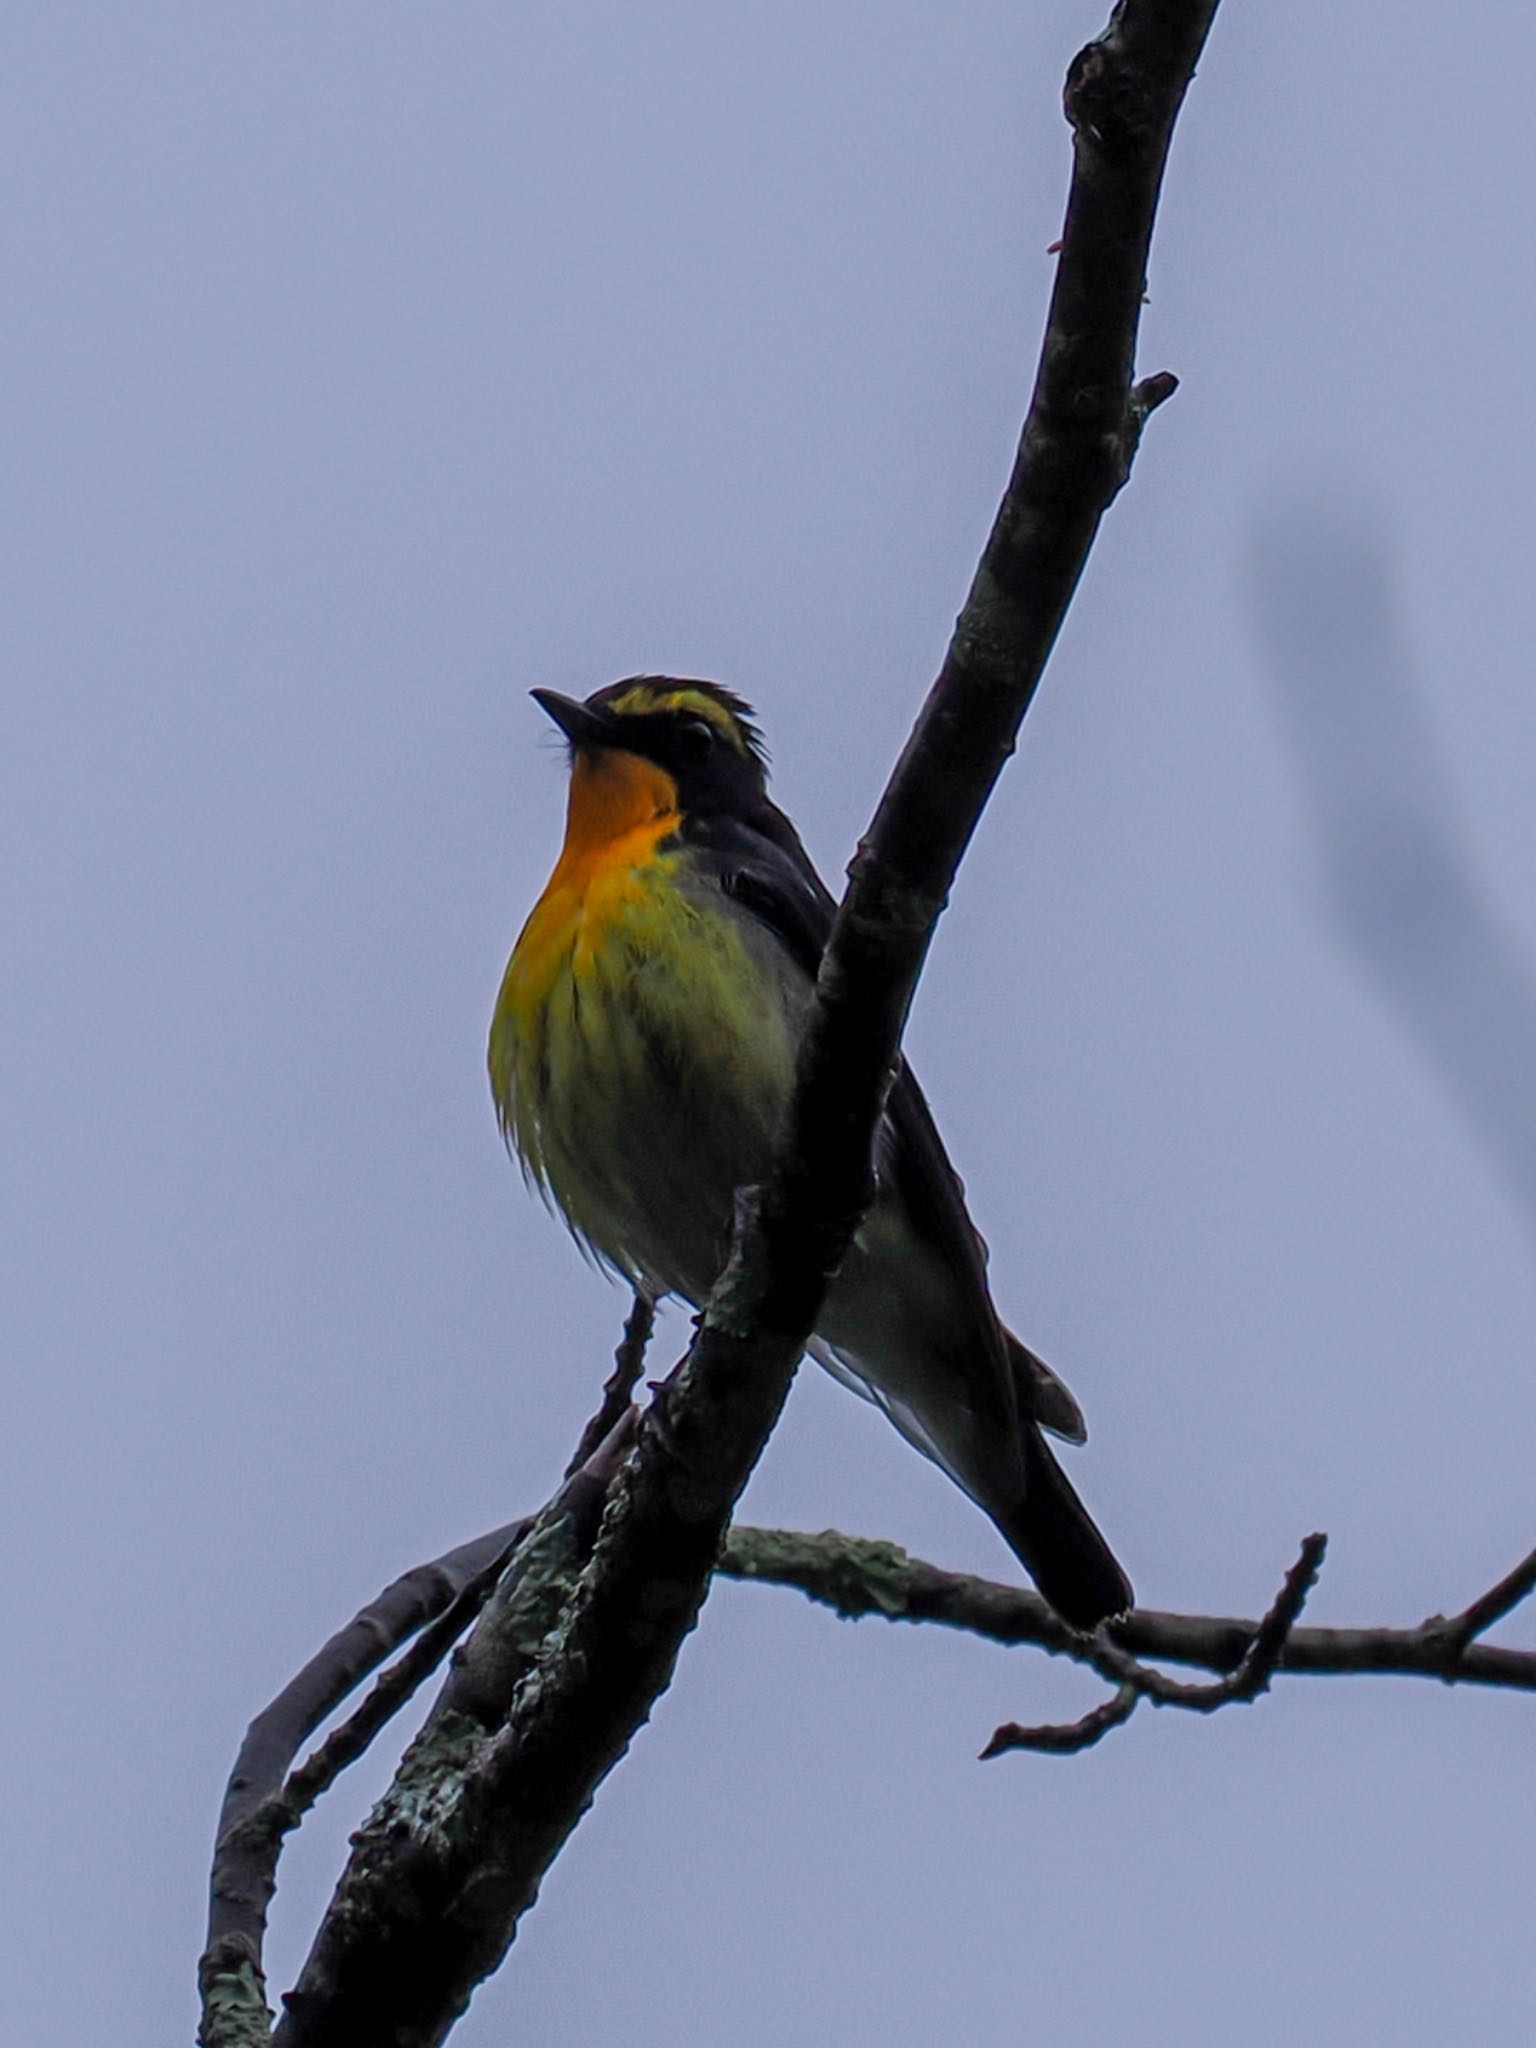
[(641, 700)]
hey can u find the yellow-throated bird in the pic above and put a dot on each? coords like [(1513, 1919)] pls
[(641, 1056)]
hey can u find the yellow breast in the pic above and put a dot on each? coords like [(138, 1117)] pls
[(639, 1051), (620, 810)]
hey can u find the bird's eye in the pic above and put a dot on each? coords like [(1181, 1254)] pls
[(695, 738)]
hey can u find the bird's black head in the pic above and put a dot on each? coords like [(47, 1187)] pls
[(701, 734)]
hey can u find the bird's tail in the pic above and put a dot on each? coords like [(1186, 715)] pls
[(1009, 1472), (1053, 1536)]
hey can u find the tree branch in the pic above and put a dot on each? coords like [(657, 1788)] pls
[(1068, 1738), (1135, 1681), (855, 1577), (254, 1816), (435, 1603), (454, 1854), (619, 1388)]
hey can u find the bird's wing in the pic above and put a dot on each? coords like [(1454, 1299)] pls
[(763, 866), (934, 1196)]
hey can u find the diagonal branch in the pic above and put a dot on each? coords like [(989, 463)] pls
[(434, 1603), (619, 1388), (442, 1872), (248, 1839), (1486, 1611)]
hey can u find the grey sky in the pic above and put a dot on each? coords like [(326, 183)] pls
[(365, 366)]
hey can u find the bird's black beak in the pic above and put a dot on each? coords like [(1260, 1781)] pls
[(582, 726)]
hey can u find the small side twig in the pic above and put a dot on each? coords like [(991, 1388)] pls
[(406, 1606), (1257, 1666), (245, 1862), (1460, 1631), (434, 1603), (1135, 1681), (252, 1819), (1067, 1738), (344, 1745), (619, 1388)]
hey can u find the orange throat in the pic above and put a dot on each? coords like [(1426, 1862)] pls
[(621, 806), (621, 809)]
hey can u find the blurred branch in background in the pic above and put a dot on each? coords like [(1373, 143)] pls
[(1397, 857)]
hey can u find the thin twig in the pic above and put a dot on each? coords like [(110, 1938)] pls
[(439, 1600), (1250, 1676), (1067, 1738), (252, 1844), (249, 1840), (619, 1388), (1135, 1681), (344, 1745), (1490, 1608)]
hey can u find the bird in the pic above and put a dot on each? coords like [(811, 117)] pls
[(642, 1052)]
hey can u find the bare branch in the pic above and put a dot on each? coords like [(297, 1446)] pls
[(440, 1600), (857, 1577), (1250, 1676), (1067, 1738), (390, 1693), (854, 1576), (619, 1389), (454, 1855), (249, 1838), (530, 1600), (1486, 1611), (1135, 1681)]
